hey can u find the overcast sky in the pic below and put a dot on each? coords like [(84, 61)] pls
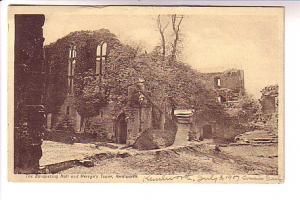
[(214, 39)]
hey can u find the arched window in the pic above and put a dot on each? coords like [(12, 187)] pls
[(101, 54), (98, 61), (71, 68), (104, 49)]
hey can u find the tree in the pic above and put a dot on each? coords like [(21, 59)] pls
[(176, 22), (164, 87), (161, 28)]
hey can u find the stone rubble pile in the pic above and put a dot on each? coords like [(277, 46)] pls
[(258, 137)]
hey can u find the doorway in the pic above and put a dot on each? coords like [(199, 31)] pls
[(121, 129), (207, 131)]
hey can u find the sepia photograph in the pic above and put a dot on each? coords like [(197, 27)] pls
[(146, 94)]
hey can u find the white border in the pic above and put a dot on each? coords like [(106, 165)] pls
[(287, 190)]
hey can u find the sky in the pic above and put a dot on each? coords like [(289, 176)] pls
[(213, 39)]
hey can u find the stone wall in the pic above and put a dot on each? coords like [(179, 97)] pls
[(269, 107), (104, 121), (138, 119), (229, 88), (202, 129), (28, 61), (199, 129), (133, 125), (233, 79), (28, 91), (269, 99), (228, 84), (67, 111)]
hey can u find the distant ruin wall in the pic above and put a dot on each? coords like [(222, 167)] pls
[(228, 84), (269, 99), (233, 80)]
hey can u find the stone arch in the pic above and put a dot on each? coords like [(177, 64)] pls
[(121, 129)]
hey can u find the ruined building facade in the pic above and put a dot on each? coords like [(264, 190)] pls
[(269, 108), (269, 99), (229, 85), (77, 53)]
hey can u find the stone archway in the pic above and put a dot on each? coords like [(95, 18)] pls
[(207, 131), (121, 129)]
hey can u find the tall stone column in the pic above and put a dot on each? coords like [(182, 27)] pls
[(29, 79)]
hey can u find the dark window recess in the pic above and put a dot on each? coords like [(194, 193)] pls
[(71, 68), (68, 110), (101, 113), (221, 99)]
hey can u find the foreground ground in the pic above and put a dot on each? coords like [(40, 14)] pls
[(183, 157), (191, 159)]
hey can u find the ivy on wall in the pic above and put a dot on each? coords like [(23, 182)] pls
[(182, 85)]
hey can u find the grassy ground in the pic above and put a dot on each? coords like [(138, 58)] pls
[(195, 161)]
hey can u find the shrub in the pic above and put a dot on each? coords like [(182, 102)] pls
[(96, 131), (66, 125)]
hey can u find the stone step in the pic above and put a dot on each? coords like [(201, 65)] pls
[(238, 144), (263, 142), (262, 139)]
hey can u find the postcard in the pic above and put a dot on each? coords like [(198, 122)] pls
[(146, 94)]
